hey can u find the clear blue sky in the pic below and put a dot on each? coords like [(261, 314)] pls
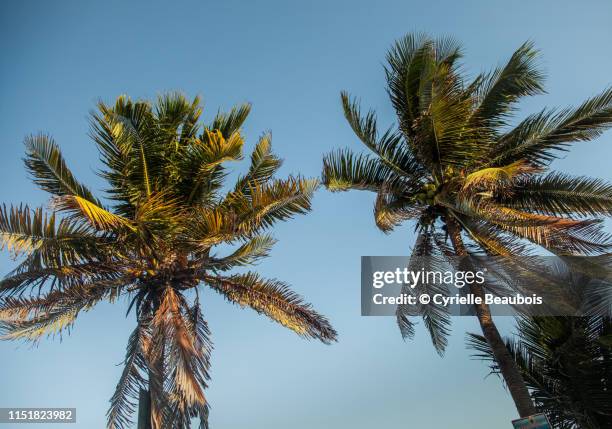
[(290, 60)]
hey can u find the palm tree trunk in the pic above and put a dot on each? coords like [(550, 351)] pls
[(144, 409), (507, 366)]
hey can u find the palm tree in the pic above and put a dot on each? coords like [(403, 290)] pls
[(457, 166), (156, 243), (567, 364)]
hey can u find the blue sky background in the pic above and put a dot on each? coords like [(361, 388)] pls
[(290, 60)]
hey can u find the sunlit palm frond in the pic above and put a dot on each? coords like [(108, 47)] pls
[(277, 200), (263, 165), (275, 300), (498, 179), (99, 218), (46, 165), (391, 207), (230, 123)]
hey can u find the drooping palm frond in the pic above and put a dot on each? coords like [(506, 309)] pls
[(33, 318), (187, 372), (275, 300), (133, 378), (429, 255)]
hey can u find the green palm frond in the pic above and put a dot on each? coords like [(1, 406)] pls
[(541, 136), (343, 170), (275, 300), (436, 318), (391, 208), (497, 178), (230, 123), (388, 147), (248, 253), (560, 194), (178, 117), (24, 231), (409, 60), (277, 200), (45, 163), (499, 90), (263, 165)]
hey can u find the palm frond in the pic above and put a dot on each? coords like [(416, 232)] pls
[(392, 207), (84, 210), (51, 314), (541, 136), (498, 91), (560, 194), (230, 123), (247, 254), (388, 147), (124, 400), (45, 163), (263, 165), (187, 376), (277, 301), (343, 170)]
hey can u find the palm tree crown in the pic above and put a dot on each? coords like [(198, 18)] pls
[(154, 244), (455, 163)]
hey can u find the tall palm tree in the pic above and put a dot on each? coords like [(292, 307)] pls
[(567, 364), (457, 166), (156, 243)]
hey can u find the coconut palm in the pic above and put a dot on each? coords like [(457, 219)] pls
[(567, 364), (473, 182), (161, 237)]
